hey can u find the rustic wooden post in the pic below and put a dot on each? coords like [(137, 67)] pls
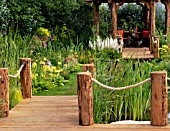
[(156, 47), (159, 98), (91, 61), (167, 4), (96, 18), (85, 98), (25, 76), (152, 20), (90, 68), (114, 19), (4, 92)]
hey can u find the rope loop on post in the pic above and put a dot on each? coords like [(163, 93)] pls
[(20, 69)]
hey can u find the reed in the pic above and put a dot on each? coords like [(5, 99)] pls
[(130, 104)]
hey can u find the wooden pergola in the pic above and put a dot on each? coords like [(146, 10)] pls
[(149, 6)]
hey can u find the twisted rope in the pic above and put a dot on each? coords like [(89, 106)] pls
[(15, 76), (120, 88), (168, 79)]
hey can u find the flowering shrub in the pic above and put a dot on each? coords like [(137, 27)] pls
[(43, 33), (164, 50), (46, 76)]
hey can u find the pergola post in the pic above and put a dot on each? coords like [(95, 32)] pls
[(96, 18), (167, 5), (152, 21), (147, 13), (114, 18)]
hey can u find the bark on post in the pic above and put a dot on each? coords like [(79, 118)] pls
[(156, 47), (147, 17), (159, 99), (152, 21), (96, 18), (85, 98), (25, 76), (89, 68), (167, 17), (4, 92), (114, 19)]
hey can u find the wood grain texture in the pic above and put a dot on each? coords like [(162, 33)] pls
[(85, 98), (4, 92), (58, 113), (89, 68), (159, 99), (136, 53), (25, 78)]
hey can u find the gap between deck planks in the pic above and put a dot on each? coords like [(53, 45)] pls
[(57, 113)]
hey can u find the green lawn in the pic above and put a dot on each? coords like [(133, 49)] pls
[(69, 88)]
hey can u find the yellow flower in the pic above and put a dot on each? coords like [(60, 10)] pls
[(42, 75), (42, 62), (59, 63), (57, 71), (34, 76), (45, 59), (34, 64), (65, 65)]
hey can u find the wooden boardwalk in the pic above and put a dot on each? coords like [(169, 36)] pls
[(58, 113), (137, 53)]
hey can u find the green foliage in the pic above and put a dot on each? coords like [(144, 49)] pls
[(43, 33), (108, 54), (45, 75), (131, 15), (15, 96), (164, 50), (130, 104), (105, 20), (5, 16), (26, 15), (160, 17)]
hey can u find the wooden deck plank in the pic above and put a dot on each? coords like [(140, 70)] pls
[(51, 113), (136, 53)]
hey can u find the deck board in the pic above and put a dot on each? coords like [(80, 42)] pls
[(51, 113), (137, 53)]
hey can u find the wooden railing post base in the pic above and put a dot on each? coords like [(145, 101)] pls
[(25, 76), (4, 93), (159, 99), (85, 98)]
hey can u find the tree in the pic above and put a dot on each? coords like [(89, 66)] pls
[(5, 16), (26, 15), (129, 16)]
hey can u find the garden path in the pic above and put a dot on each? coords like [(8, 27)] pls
[(137, 53), (57, 113)]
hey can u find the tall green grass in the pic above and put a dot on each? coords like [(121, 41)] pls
[(129, 104), (13, 46)]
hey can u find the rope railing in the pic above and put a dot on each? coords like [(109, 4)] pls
[(120, 88), (25, 79), (168, 78), (19, 71), (159, 96)]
